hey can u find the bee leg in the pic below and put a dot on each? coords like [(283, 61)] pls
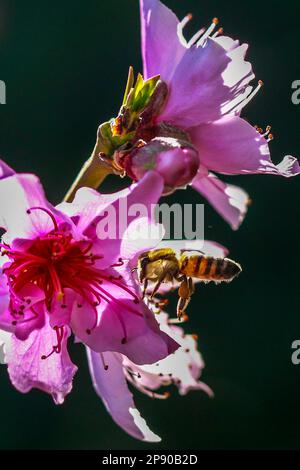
[(157, 285), (182, 306), (145, 286), (191, 286), (185, 292)]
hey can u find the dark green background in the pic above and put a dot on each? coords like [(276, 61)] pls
[(65, 64)]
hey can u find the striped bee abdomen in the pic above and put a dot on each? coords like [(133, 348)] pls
[(209, 268)]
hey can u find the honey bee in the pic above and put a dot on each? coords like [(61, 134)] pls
[(166, 265)]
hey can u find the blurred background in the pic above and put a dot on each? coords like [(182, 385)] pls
[(65, 65)]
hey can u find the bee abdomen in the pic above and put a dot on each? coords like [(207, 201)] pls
[(209, 268), (228, 269)]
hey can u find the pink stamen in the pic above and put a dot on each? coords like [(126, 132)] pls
[(47, 212)]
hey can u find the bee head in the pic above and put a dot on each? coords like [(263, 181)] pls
[(143, 261)]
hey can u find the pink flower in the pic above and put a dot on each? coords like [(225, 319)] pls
[(58, 277), (208, 86), (112, 372)]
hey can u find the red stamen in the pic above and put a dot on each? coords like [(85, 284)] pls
[(54, 262), (19, 322), (105, 366), (118, 264), (59, 330), (122, 286)]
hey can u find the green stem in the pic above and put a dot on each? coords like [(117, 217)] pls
[(91, 175)]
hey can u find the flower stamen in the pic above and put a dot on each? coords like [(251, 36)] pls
[(217, 33), (208, 32), (181, 26), (47, 211), (249, 98), (105, 366), (59, 330)]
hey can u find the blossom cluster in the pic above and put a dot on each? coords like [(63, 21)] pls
[(179, 124)]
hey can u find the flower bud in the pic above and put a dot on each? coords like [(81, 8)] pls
[(175, 160)]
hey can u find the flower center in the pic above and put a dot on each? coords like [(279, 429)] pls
[(52, 263), (55, 262)]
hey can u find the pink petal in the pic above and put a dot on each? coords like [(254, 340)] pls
[(112, 388), (230, 201), (27, 370), (5, 170), (161, 47), (227, 43), (146, 192), (238, 73), (205, 82), (145, 343), (232, 146), (197, 89), (183, 368), (88, 204), (18, 194), (61, 311), (142, 235), (121, 318), (32, 316)]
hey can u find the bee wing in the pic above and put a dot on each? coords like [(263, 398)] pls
[(190, 253), (206, 247)]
